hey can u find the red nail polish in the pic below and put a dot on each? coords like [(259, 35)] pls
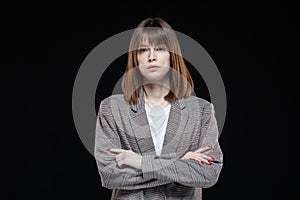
[(212, 158), (108, 149), (209, 163), (202, 162), (209, 147)]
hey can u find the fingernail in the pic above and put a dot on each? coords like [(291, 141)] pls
[(212, 158), (209, 147), (201, 162), (108, 149), (208, 162)]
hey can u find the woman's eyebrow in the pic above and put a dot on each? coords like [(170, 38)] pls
[(143, 45)]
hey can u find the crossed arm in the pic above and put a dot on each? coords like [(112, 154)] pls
[(125, 169), (125, 158)]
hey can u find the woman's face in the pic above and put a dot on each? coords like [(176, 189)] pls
[(154, 62)]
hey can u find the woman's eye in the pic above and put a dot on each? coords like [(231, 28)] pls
[(160, 49), (142, 50)]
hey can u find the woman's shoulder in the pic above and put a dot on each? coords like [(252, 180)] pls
[(114, 99), (194, 101), (113, 104)]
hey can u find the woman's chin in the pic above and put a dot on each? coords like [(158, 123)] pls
[(153, 81)]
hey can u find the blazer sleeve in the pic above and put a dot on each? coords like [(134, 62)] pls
[(113, 177), (190, 172)]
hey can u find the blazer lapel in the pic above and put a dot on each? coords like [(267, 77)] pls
[(140, 126), (175, 127)]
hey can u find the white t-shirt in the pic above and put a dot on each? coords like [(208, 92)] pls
[(158, 120)]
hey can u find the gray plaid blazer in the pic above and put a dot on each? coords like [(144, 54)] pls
[(191, 125)]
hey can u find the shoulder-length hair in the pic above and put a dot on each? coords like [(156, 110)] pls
[(156, 32)]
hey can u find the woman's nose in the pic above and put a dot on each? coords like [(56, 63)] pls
[(152, 56)]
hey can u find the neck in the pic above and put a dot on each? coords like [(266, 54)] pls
[(155, 92)]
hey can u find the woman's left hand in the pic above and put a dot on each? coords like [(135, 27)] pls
[(127, 158)]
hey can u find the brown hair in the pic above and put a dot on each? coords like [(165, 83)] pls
[(156, 31)]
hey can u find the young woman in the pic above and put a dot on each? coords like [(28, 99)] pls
[(157, 141)]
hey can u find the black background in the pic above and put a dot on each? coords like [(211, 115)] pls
[(252, 45)]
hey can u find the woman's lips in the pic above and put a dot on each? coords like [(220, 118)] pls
[(153, 67)]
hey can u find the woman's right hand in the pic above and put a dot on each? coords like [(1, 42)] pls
[(199, 155)]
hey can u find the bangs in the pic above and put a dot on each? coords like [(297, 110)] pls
[(152, 36)]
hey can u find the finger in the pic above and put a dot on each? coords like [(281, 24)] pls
[(207, 162), (202, 158), (193, 155), (206, 157), (196, 159), (113, 150), (203, 149), (199, 160), (204, 161)]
